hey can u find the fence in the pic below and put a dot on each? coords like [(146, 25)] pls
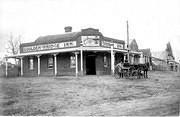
[(13, 70)]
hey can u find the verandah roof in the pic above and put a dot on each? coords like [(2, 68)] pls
[(100, 49)]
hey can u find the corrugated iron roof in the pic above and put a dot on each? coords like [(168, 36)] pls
[(56, 38), (146, 52), (114, 40), (68, 37), (160, 54)]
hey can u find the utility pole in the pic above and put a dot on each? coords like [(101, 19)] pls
[(127, 41)]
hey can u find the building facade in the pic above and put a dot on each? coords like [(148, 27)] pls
[(143, 57), (166, 61), (147, 57), (159, 64), (134, 58), (87, 52)]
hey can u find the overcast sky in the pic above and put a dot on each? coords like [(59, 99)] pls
[(153, 23)]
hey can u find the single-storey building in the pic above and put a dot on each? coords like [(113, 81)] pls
[(159, 64), (87, 52), (134, 58), (147, 57), (168, 59), (144, 55)]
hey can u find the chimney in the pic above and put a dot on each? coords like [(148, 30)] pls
[(68, 29)]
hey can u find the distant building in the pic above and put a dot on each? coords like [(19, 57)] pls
[(13, 70), (160, 54), (147, 57), (134, 59), (167, 57), (159, 64), (144, 57)]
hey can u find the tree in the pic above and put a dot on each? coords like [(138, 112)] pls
[(13, 46), (169, 50)]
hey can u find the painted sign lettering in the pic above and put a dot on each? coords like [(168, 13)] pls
[(49, 46), (109, 44)]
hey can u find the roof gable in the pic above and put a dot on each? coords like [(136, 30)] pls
[(134, 45), (90, 31)]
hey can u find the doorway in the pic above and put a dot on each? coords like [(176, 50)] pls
[(91, 64)]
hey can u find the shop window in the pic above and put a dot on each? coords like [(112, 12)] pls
[(105, 61), (31, 63), (72, 62), (50, 63)]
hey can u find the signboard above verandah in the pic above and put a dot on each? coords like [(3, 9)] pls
[(49, 46), (109, 44), (90, 40), (94, 41), (86, 41)]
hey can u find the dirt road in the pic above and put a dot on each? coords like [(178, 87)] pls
[(91, 95)]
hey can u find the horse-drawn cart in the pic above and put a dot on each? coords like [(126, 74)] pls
[(131, 71)]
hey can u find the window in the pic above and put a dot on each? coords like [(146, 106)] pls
[(72, 62), (50, 62), (31, 63), (105, 61)]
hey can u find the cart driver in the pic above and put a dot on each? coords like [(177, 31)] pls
[(120, 66)]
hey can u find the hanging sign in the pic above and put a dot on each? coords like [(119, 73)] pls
[(90, 40)]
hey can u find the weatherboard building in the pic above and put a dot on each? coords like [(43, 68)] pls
[(87, 52)]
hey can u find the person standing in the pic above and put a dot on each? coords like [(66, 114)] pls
[(120, 66)]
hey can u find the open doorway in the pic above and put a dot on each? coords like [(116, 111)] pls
[(91, 64)]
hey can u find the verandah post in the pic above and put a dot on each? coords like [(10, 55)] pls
[(76, 57), (112, 60), (39, 65), (6, 72), (21, 66), (55, 64), (81, 61), (132, 59)]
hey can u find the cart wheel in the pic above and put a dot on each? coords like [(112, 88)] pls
[(126, 75), (116, 76)]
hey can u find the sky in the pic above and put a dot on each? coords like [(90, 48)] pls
[(153, 23)]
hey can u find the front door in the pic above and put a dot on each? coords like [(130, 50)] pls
[(91, 64)]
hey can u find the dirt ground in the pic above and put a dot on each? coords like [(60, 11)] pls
[(91, 96)]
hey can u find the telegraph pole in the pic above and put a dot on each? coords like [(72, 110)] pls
[(127, 41)]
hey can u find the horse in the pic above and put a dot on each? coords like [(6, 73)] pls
[(144, 68)]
